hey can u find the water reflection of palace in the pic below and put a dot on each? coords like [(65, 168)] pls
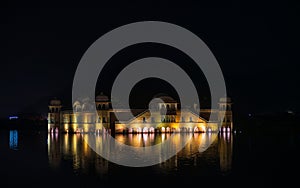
[(215, 150), (73, 148), (166, 116), (225, 152)]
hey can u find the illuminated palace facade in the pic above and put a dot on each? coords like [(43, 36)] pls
[(173, 119)]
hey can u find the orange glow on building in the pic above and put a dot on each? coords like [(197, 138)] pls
[(174, 120)]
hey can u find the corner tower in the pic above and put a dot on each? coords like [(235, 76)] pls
[(103, 106), (54, 115), (226, 124)]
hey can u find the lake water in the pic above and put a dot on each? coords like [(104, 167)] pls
[(36, 158)]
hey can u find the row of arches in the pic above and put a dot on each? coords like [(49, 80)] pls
[(87, 118), (102, 106), (54, 130), (165, 130), (54, 110), (225, 107), (170, 119), (225, 129)]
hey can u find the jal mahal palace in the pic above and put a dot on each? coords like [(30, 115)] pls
[(167, 116)]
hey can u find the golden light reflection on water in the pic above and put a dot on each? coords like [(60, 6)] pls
[(74, 147)]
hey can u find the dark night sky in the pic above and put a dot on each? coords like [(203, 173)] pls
[(256, 45)]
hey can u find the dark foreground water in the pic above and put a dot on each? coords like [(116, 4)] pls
[(39, 159)]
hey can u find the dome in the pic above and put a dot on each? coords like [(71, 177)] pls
[(102, 98), (55, 102), (77, 106), (76, 103), (165, 98)]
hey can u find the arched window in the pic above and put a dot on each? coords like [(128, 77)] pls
[(144, 120), (103, 106), (182, 119), (191, 119)]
